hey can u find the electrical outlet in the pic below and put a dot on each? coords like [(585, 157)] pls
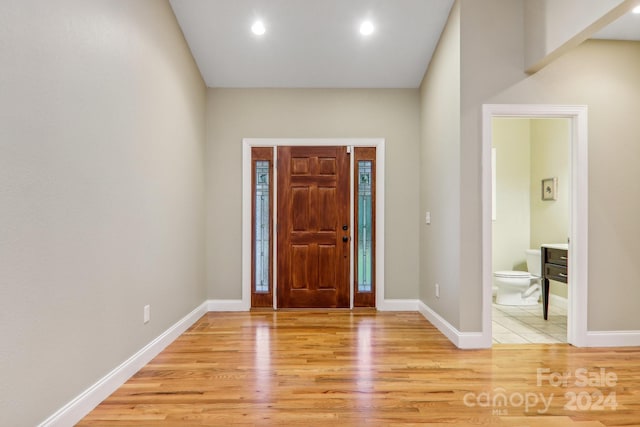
[(437, 291), (147, 313)]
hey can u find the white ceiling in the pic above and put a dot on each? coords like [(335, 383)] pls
[(316, 43), (312, 43)]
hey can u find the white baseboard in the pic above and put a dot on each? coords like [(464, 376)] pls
[(613, 338), (86, 401), (398, 305), (466, 340), (558, 301), (228, 305), (82, 404)]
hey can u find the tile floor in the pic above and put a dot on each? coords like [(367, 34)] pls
[(525, 325)]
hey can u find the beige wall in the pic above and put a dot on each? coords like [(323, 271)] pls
[(511, 229), (600, 74), (234, 114), (551, 24), (550, 147), (101, 192), (489, 61), (440, 175), (604, 76)]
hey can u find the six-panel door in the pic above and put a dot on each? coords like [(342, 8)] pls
[(313, 220)]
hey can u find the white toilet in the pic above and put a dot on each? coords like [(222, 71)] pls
[(520, 287)]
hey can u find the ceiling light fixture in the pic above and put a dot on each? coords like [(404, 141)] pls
[(366, 28), (258, 28), (636, 10)]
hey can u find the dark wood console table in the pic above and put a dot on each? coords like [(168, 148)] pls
[(554, 267)]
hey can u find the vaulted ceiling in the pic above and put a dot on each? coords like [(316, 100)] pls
[(317, 43), (311, 43)]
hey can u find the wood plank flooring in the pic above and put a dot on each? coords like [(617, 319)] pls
[(368, 368)]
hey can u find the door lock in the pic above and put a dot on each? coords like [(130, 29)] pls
[(345, 238)]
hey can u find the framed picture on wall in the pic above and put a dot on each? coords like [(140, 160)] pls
[(550, 188)]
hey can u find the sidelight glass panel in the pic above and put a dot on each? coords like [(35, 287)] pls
[(365, 240), (262, 221)]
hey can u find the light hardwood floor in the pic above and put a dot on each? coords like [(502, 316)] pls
[(359, 368)]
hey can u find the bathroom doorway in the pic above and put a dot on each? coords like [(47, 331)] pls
[(521, 218), (525, 216)]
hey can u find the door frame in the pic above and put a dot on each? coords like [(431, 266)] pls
[(247, 144), (578, 211)]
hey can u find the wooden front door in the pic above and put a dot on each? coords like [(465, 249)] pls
[(313, 227)]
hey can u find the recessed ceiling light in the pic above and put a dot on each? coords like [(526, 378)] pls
[(366, 28), (258, 28), (636, 9)]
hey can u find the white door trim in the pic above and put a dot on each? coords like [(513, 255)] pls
[(578, 216), (248, 143)]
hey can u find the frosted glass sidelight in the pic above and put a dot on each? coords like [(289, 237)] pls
[(262, 218), (365, 241)]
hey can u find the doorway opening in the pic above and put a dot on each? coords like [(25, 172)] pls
[(576, 255), (528, 216), (313, 215)]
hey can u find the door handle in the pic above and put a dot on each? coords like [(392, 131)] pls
[(345, 238)]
